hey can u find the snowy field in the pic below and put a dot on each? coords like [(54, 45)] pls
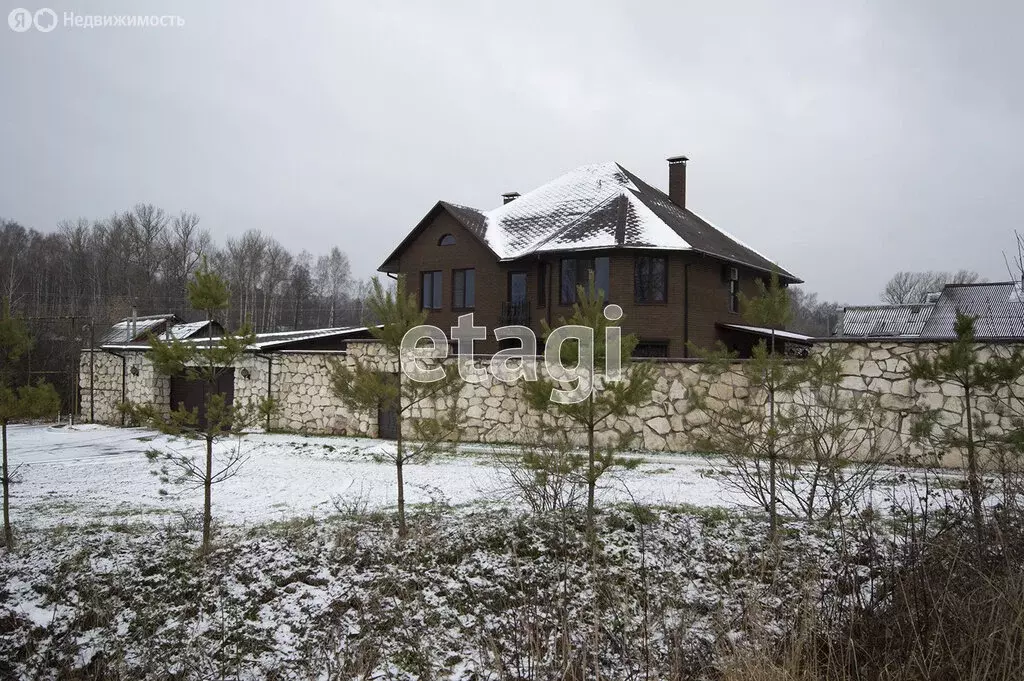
[(106, 581), (100, 473)]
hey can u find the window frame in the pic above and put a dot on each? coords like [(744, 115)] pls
[(438, 276), (733, 288), (526, 285), (447, 239), (465, 288), (648, 300), (542, 284), (608, 283), (582, 266), (652, 343)]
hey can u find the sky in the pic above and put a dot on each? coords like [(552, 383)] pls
[(844, 140)]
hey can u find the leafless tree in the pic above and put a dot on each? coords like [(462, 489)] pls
[(811, 316), (277, 263), (333, 277), (906, 288), (245, 256), (187, 244)]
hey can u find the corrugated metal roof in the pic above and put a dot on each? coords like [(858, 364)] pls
[(187, 330), (122, 331), (998, 309), (883, 320)]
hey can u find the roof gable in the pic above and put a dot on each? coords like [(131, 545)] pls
[(472, 220)]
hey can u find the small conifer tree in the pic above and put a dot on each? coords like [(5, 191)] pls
[(960, 363), (204, 362), (751, 434), (606, 399), (363, 387)]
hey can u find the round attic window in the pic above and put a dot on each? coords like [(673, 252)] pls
[(446, 240)]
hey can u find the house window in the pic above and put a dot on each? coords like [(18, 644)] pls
[(732, 277), (542, 284), (446, 240), (431, 290), (577, 271), (517, 287), (463, 289), (650, 279), (602, 271), (648, 348)]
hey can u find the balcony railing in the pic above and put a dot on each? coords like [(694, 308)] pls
[(517, 312)]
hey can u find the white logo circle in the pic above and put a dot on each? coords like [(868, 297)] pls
[(45, 20), (20, 20)]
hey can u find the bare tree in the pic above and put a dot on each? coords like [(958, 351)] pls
[(277, 263), (245, 256), (811, 316), (187, 244), (333, 276), (907, 288)]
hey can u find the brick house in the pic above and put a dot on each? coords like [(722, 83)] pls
[(677, 277)]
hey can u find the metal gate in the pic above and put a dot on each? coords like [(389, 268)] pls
[(192, 394)]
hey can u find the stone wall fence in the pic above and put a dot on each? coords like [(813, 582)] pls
[(496, 412)]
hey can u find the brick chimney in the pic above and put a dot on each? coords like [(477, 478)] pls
[(509, 197), (677, 180)]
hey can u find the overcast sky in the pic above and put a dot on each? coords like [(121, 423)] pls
[(844, 140)]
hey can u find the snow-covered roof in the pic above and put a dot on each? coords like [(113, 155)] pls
[(187, 330), (264, 341), (129, 330), (598, 206), (764, 331), (268, 341)]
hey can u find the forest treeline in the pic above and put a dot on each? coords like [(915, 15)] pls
[(71, 284), (143, 257)]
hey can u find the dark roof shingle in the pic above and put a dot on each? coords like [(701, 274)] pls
[(598, 206)]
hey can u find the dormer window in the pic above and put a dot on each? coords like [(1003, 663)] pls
[(446, 240)]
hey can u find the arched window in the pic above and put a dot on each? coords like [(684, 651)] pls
[(446, 240)]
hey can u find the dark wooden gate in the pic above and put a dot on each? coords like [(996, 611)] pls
[(387, 415), (190, 394)]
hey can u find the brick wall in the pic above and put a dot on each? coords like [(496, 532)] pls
[(708, 294)]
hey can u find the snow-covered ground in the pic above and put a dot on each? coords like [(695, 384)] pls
[(89, 472)]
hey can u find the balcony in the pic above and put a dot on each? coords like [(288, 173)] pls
[(517, 312)]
